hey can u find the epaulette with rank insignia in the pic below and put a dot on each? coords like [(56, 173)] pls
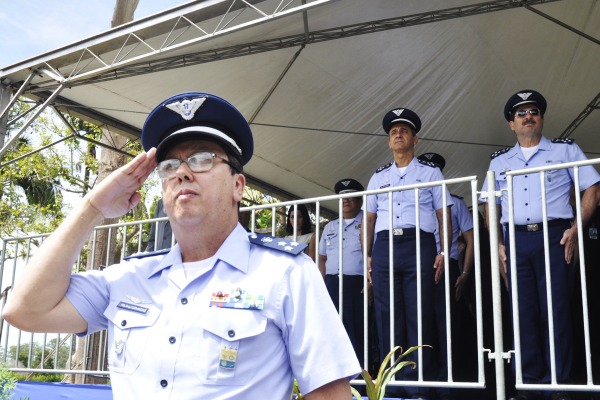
[(500, 152), (276, 243), (563, 140), (386, 166), (428, 163), (148, 254)]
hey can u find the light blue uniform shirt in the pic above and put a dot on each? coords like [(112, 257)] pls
[(162, 328), (527, 188), (404, 216), (462, 221), (352, 257)]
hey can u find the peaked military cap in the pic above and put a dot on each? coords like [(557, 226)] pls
[(401, 115), (526, 96), (347, 186), (434, 158), (196, 115)]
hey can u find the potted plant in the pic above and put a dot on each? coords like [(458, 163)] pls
[(376, 390)]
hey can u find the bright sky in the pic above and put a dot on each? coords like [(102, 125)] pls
[(32, 27)]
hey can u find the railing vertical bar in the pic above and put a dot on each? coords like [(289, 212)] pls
[(419, 288), (496, 289)]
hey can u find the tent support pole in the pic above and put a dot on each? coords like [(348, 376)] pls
[(569, 27)]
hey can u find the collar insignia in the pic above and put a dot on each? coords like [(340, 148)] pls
[(386, 166), (428, 163), (563, 140), (500, 152), (279, 244), (186, 108)]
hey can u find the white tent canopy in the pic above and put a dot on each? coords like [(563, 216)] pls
[(314, 78)]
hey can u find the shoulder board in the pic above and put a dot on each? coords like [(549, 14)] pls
[(458, 197), (276, 243), (386, 166), (148, 254), (563, 140), (500, 152), (428, 163)]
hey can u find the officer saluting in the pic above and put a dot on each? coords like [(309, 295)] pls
[(524, 112), (402, 126), (229, 316)]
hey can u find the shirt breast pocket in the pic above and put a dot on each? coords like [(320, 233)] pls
[(500, 181), (556, 177), (230, 345), (128, 336), (331, 239)]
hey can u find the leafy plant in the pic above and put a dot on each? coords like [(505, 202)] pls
[(8, 383), (376, 390)]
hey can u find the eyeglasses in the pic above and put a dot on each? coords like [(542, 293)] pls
[(532, 111), (197, 162)]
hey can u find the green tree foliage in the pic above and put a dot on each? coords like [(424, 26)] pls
[(40, 354), (34, 184), (263, 218)]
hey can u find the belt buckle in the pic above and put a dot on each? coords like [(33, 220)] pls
[(533, 227), (398, 232)]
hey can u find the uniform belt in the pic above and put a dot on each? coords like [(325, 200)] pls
[(540, 226), (397, 232)]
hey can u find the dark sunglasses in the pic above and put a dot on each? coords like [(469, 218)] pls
[(532, 111)]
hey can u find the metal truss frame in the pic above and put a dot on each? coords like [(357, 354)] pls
[(171, 30), (126, 64), (593, 105), (127, 51)]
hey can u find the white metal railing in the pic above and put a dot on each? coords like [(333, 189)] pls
[(58, 350), (553, 385), (130, 238)]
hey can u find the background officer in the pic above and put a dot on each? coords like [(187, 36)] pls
[(525, 112), (159, 230), (462, 323), (402, 126), (352, 263)]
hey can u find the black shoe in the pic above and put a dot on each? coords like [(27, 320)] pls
[(560, 396)]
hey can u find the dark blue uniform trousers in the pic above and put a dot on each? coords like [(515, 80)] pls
[(405, 300), (353, 313), (533, 306)]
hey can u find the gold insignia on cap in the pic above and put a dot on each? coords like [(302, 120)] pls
[(186, 108)]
